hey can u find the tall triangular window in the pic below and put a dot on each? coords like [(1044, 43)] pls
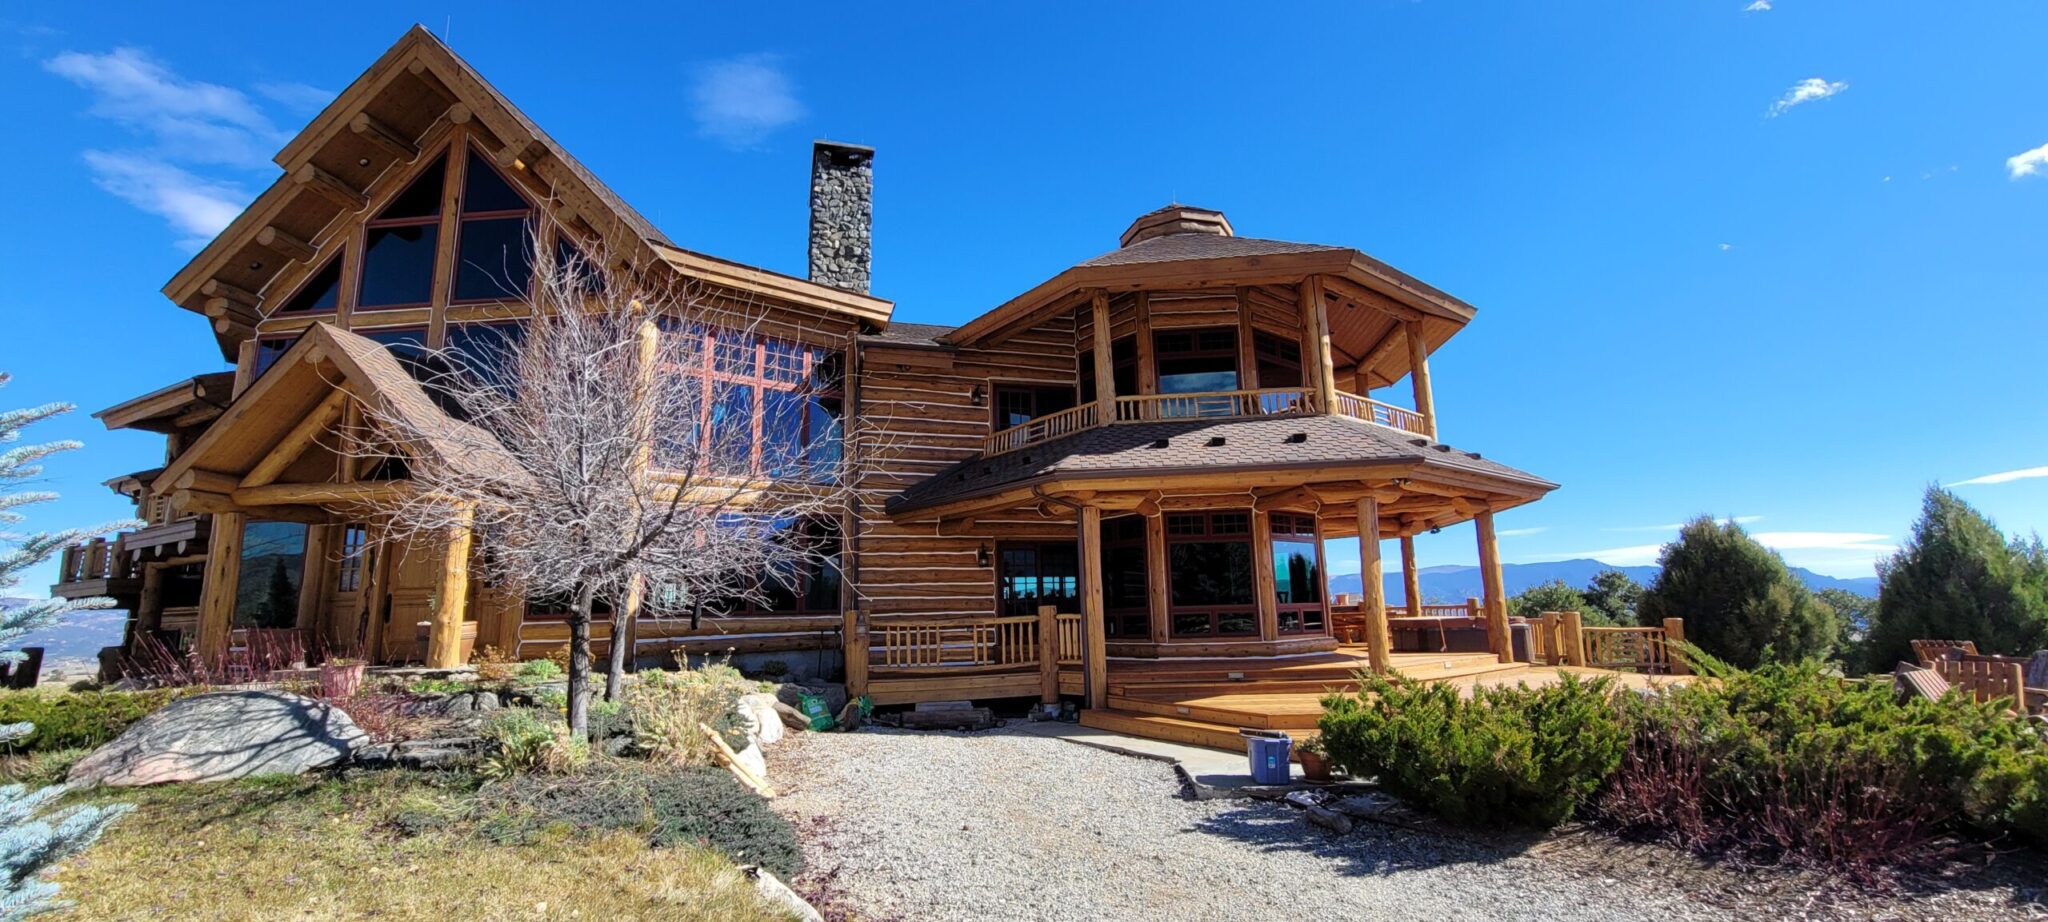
[(320, 293), (400, 243), (494, 257)]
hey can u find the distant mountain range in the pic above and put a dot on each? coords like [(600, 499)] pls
[(78, 637), (1452, 584)]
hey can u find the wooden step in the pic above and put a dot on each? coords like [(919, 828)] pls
[(1258, 711), (1173, 729), (1199, 689)]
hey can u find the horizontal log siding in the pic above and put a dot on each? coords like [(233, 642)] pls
[(925, 420)]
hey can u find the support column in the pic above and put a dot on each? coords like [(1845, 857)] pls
[(1418, 374), (1158, 587), (1094, 657), (217, 593), (853, 639), (1372, 602), (1105, 365), (451, 599), (1265, 588), (1496, 600), (314, 579), (149, 608), (1411, 578), (1317, 372), (1048, 654)]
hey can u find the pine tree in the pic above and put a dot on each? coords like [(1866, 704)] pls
[(1739, 601), (32, 837), (1614, 595), (1556, 595), (1958, 578)]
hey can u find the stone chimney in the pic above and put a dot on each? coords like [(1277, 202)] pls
[(842, 214)]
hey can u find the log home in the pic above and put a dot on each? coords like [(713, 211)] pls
[(1124, 475)]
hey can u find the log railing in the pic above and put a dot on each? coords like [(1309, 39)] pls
[(1069, 649), (961, 644), (1271, 401), (95, 559), (1466, 609), (1043, 429), (1383, 414)]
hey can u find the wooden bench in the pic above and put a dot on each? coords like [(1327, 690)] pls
[(1927, 651), (1987, 678)]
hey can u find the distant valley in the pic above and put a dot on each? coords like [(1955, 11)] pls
[(1452, 584)]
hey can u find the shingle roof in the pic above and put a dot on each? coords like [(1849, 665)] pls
[(1176, 247), (1133, 448), (910, 334)]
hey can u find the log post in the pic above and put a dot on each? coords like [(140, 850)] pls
[(1372, 588), (217, 594), (1265, 588), (1105, 365), (451, 599), (1496, 599), (853, 644), (1411, 578), (1418, 374), (1574, 639), (1049, 654), (1674, 634), (1316, 368), (1155, 577), (1094, 657)]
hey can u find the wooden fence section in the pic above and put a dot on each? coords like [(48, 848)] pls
[(1560, 638), (902, 659), (1384, 414)]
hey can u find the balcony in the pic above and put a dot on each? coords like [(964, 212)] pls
[(95, 568), (1243, 404)]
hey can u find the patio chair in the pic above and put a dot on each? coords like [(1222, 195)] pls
[(1927, 651)]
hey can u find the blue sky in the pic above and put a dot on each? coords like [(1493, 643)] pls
[(1787, 264)]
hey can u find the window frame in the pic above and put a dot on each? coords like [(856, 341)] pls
[(1207, 527), (1004, 605), (1308, 617)]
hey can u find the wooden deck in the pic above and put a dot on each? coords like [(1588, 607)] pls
[(1205, 702)]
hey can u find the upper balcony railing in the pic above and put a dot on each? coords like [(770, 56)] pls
[(92, 560), (1242, 404)]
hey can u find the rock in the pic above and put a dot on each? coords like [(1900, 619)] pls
[(753, 760), (972, 719), (223, 735), (1329, 819), (791, 717), (486, 701), (943, 706), (757, 714), (850, 717), (617, 745), (433, 758)]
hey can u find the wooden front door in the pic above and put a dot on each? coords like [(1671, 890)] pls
[(415, 569)]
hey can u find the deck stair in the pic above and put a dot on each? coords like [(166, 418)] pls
[(1204, 703)]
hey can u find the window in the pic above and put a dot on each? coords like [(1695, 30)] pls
[(320, 293), (810, 588), (488, 349), (1279, 360), (1126, 606), (271, 348), (1297, 573), (773, 406), (493, 257), (399, 245), (1196, 361), (349, 576), (1032, 574), (273, 565), (1123, 365), (1209, 569), (1017, 404)]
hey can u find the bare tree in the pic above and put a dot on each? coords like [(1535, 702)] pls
[(611, 450)]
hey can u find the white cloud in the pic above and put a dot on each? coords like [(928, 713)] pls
[(2027, 163), (1805, 91), (1760, 6), (189, 119), (1635, 555), (2025, 473), (197, 207), (741, 100), (297, 97), (1521, 532), (1823, 541), (1725, 247)]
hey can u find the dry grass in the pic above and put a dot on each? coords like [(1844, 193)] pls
[(385, 845)]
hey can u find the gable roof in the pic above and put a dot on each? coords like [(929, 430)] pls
[(1205, 447), (373, 130), (323, 359)]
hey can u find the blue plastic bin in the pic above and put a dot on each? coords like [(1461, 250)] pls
[(1269, 758)]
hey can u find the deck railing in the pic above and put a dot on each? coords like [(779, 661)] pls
[(966, 644), (1043, 429), (1068, 651), (1384, 414), (95, 559), (1269, 401)]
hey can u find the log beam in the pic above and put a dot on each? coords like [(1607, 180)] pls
[(451, 599), (1265, 592), (1316, 365), (217, 593), (286, 244), (1496, 601), (1095, 654), (1411, 578), (330, 187), (383, 137), (1418, 372), (1105, 366), (295, 442)]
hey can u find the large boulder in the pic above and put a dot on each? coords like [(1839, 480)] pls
[(223, 735)]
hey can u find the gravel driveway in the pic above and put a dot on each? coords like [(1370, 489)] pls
[(1001, 825)]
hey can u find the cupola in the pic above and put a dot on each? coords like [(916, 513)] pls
[(1177, 219)]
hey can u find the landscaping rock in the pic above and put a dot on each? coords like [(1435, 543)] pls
[(791, 717), (757, 714), (792, 694), (223, 735), (1329, 819)]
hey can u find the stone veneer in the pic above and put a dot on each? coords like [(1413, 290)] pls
[(842, 215)]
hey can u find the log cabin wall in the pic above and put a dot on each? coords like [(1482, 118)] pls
[(919, 404)]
